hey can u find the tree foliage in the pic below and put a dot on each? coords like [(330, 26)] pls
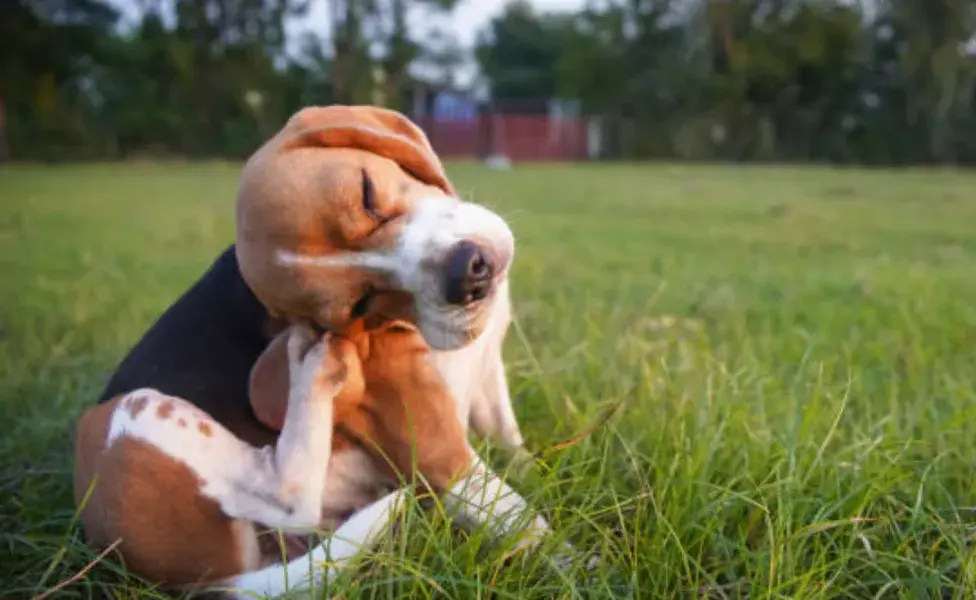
[(886, 82), (818, 80)]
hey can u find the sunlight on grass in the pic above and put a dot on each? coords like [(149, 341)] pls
[(793, 349)]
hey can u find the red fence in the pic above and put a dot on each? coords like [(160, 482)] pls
[(519, 137)]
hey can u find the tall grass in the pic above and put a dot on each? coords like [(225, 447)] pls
[(793, 350)]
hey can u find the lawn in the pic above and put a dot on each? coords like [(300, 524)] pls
[(795, 350)]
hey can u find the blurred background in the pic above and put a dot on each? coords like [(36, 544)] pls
[(877, 82)]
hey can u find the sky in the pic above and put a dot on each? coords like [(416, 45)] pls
[(467, 19), (472, 15), (469, 16)]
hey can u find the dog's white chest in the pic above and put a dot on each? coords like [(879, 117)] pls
[(352, 483), (470, 372)]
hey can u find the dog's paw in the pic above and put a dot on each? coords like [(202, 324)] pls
[(316, 365)]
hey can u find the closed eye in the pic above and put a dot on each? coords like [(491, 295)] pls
[(362, 305), (369, 197)]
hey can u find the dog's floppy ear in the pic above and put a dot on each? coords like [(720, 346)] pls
[(381, 131), (296, 190), (269, 383), (412, 409)]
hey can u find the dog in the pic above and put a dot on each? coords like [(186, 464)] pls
[(196, 507), (392, 239), (345, 216)]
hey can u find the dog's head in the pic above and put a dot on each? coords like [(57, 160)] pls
[(393, 403), (347, 213)]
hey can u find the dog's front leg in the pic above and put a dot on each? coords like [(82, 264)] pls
[(491, 412), (483, 498), (284, 488)]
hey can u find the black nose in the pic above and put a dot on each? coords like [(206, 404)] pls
[(467, 274)]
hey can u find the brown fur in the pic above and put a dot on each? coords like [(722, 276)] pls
[(171, 534), (302, 192), (392, 401), (269, 379)]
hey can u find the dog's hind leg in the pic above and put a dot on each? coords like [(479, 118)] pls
[(356, 535), (279, 487)]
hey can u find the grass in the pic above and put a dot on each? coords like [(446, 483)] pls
[(795, 349)]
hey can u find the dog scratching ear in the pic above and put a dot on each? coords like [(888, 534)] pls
[(381, 131), (269, 383)]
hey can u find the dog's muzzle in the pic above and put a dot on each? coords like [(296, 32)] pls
[(469, 272)]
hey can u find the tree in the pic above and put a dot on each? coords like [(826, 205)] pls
[(50, 47), (696, 79), (371, 38), (939, 77), (518, 53)]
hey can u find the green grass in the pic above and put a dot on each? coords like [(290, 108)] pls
[(796, 349)]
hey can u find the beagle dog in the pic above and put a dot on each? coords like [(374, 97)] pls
[(196, 507), (247, 423), (347, 212)]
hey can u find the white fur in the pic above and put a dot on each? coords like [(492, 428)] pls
[(467, 343), (475, 374), (305, 572), (481, 498), (280, 487), (354, 481), (415, 264)]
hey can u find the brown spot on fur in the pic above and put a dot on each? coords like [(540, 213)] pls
[(205, 429), (181, 422), (165, 410), (177, 538), (393, 403), (136, 405)]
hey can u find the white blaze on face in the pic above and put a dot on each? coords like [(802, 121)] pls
[(440, 223), (433, 230), (417, 263)]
